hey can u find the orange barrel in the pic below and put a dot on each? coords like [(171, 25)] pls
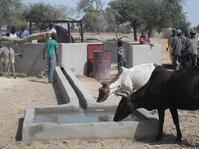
[(102, 64), (91, 48)]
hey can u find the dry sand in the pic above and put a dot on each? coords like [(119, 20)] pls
[(17, 94)]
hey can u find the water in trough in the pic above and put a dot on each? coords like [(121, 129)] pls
[(62, 117)]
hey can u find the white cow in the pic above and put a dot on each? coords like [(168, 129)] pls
[(129, 79)]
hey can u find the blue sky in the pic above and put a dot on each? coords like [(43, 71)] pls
[(191, 7)]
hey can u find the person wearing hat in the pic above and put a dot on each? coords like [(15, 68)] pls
[(191, 51), (176, 49), (184, 58)]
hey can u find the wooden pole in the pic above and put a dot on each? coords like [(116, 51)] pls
[(81, 32), (43, 35)]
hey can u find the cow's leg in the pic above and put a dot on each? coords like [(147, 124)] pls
[(13, 68), (174, 114), (161, 122)]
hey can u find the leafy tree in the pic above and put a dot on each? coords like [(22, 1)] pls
[(149, 14), (93, 16), (10, 12), (110, 16), (41, 11), (197, 28), (172, 14), (128, 13)]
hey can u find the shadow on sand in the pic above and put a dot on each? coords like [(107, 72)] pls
[(18, 136)]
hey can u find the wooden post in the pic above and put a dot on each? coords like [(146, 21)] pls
[(30, 27), (81, 32), (69, 34)]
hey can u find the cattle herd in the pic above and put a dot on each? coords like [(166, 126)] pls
[(165, 89)]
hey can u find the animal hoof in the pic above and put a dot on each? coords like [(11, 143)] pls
[(178, 140)]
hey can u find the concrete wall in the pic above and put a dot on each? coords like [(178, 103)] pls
[(145, 54), (31, 63), (136, 53), (112, 46), (74, 56)]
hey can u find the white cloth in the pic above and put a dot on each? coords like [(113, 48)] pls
[(13, 36), (52, 30)]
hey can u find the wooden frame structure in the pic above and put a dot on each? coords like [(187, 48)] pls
[(67, 21)]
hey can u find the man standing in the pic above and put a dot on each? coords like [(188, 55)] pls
[(184, 57), (121, 52), (170, 43), (191, 51), (176, 45), (51, 28), (51, 47), (24, 32)]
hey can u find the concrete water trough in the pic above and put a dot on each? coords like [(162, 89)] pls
[(65, 123), (90, 120)]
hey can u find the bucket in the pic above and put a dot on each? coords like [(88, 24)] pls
[(102, 64)]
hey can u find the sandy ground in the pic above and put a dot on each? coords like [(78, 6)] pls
[(17, 94)]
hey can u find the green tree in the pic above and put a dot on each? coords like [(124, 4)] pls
[(10, 12), (172, 15), (41, 11), (127, 13), (110, 16), (93, 16), (149, 14)]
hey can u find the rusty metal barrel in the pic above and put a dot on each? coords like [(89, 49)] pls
[(91, 48), (102, 64)]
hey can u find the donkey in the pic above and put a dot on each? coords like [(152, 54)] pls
[(7, 57)]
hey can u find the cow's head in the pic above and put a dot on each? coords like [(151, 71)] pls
[(125, 108), (104, 91)]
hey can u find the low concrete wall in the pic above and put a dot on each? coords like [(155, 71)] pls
[(74, 56), (145, 54), (136, 53), (31, 63), (112, 46)]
